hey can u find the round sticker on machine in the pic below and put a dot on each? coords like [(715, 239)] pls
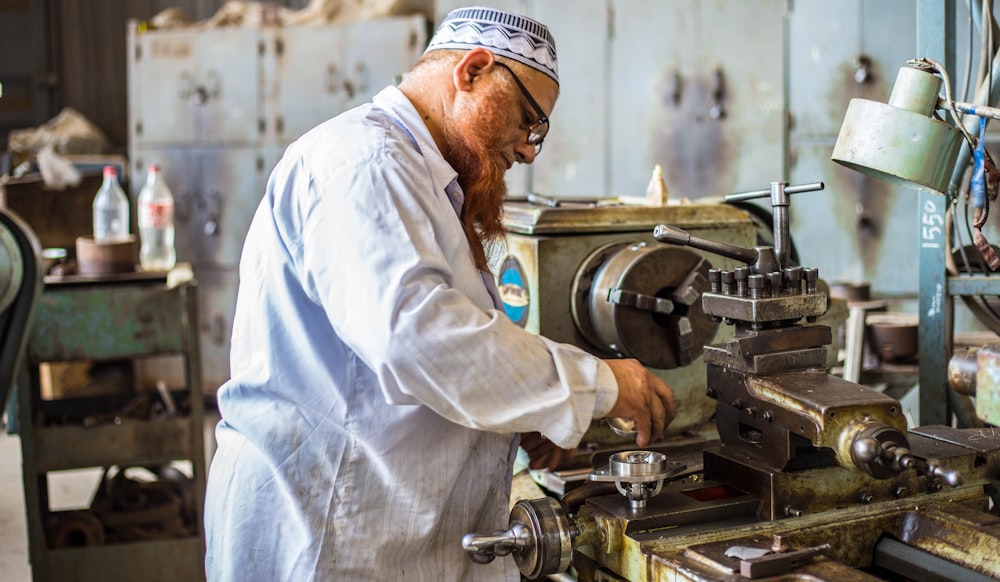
[(514, 291)]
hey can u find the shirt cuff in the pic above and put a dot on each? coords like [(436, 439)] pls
[(606, 394)]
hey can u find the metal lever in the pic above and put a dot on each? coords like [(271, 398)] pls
[(484, 548), (760, 259)]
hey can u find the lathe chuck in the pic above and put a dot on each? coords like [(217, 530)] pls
[(644, 302)]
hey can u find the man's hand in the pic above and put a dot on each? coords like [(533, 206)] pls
[(644, 398), (543, 453)]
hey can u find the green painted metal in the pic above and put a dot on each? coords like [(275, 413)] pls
[(107, 321)]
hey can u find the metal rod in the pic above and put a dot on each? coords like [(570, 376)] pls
[(779, 222), (675, 236), (766, 193)]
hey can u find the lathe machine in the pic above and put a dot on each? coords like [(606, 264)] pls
[(812, 477)]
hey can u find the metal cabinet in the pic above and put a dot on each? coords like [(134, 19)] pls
[(186, 87), (131, 317), (215, 110)]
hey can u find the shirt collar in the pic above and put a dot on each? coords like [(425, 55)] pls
[(396, 104)]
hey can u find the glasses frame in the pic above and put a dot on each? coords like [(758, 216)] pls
[(535, 135)]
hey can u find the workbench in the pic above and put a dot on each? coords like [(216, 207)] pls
[(130, 317)]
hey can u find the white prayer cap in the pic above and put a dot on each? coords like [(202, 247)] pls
[(506, 34)]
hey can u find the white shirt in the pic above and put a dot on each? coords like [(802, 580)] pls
[(376, 388)]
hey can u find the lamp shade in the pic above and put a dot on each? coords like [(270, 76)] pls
[(899, 142)]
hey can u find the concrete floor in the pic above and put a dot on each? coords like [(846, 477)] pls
[(67, 490)]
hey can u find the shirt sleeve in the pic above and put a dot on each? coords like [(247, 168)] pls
[(380, 247)]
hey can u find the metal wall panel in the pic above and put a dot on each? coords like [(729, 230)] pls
[(859, 228), (574, 162), (671, 64)]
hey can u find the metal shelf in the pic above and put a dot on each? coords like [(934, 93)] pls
[(113, 318)]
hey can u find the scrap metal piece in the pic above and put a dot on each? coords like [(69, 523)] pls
[(773, 564)]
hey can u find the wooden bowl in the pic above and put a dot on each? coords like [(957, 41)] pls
[(106, 257)]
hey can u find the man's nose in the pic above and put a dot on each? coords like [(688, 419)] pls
[(525, 152)]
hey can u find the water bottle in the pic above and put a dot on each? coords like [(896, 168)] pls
[(156, 223), (110, 209)]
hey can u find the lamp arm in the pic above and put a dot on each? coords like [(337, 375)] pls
[(929, 63)]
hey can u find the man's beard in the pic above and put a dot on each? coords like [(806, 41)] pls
[(470, 143)]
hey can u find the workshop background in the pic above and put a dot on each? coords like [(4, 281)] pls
[(725, 96)]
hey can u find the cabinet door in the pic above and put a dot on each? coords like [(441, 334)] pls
[(310, 76), (230, 185), (377, 53), (195, 86), (229, 86), (162, 81)]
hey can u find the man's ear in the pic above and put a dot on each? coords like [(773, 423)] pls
[(475, 62)]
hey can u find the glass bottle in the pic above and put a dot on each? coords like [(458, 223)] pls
[(156, 223), (110, 209)]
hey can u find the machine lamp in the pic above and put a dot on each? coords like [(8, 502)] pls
[(901, 142)]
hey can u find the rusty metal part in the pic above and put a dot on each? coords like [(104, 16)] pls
[(73, 529), (962, 369), (641, 301)]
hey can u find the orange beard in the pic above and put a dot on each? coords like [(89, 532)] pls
[(471, 139)]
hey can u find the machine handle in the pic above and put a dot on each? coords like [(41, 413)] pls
[(483, 548), (738, 197), (675, 236)]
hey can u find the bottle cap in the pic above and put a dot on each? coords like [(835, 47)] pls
[(154, 168), (110, 171)]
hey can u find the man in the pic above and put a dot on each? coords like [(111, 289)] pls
[(377, 386)]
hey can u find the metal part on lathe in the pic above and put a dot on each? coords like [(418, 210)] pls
[(638, 475)]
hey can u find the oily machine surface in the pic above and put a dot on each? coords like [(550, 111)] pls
[(812, 477)]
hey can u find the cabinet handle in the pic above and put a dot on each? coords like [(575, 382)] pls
[(185, 85), (215, 328), (331, 78), (182, 206), (212, 84), (718, 111), (214, 210), (359, 84)]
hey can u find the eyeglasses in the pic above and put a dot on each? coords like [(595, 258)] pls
[(539, 129)]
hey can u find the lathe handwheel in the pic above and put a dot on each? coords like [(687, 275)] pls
[(551, 549)]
